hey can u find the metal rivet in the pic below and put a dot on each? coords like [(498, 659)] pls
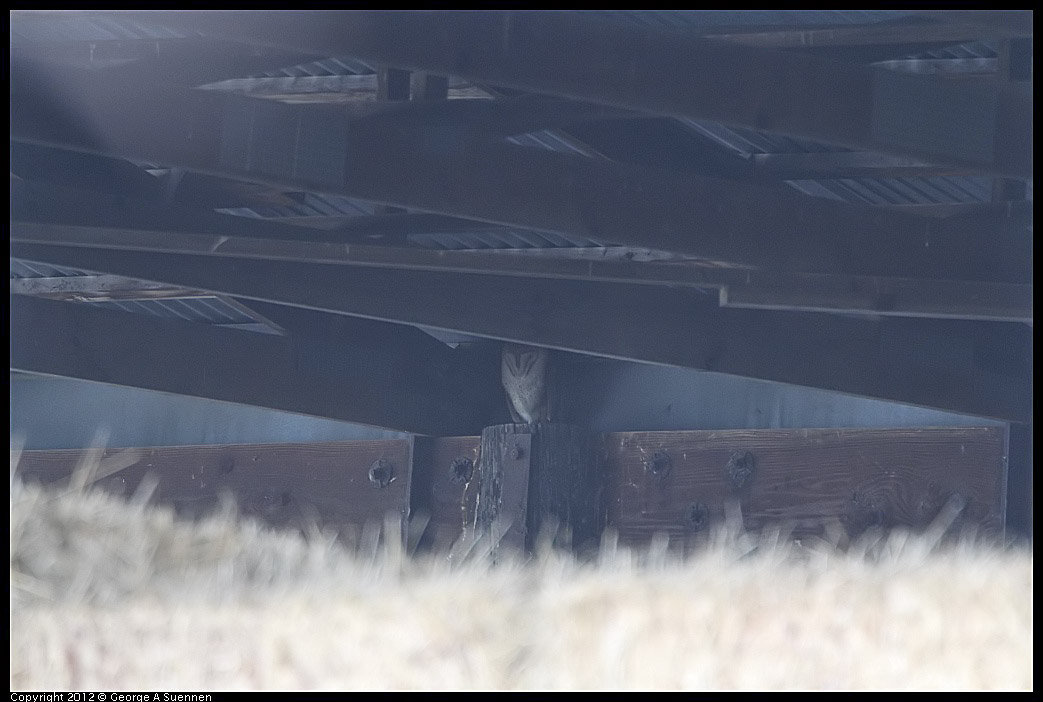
[(380, 473), (516, 452), (740, 469), (659, 464), (460, 469), (696, 516)]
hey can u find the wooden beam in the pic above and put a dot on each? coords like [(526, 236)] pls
[(283, 485), (676, 483), (350, 383), (500, 183), (443, 466), (932, 365), (980, 125), (680, 483), (739, 286), (538, 481)]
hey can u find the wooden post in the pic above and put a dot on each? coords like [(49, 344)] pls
[(532, 478)]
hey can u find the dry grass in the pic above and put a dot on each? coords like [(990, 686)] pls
[(110, 594)]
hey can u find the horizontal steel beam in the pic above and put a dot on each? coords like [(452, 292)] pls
[(982, 125), (931, 363), (181, 60), (315, 147), (99, 287), (989, 23), (738, 286), (326, 89), (382, 387)]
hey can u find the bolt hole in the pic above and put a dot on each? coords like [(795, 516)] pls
[(659, 464), (380, 473), (696, 516), (740, 469), (461, 469)]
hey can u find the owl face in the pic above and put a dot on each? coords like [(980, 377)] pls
[(523, 372), (523, 361)]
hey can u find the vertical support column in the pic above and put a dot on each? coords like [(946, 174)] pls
[(538, 479), (1015, 65), (1019, 481), (1015, 57)]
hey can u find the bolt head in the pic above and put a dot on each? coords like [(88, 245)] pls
[(696, 516), (740, 469), (659, 464), (461, 469), (380, 473)]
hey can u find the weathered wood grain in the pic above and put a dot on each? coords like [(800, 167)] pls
[(442, 468), (640, 483), (537, 481), (803, 478), (281, 484)]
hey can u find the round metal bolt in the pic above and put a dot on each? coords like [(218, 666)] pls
[(460, 469), (380, 473), (696, 516), (740, 469), (516, 452), (659, 464)]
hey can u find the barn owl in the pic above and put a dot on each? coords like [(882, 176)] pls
[(524, 372)]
